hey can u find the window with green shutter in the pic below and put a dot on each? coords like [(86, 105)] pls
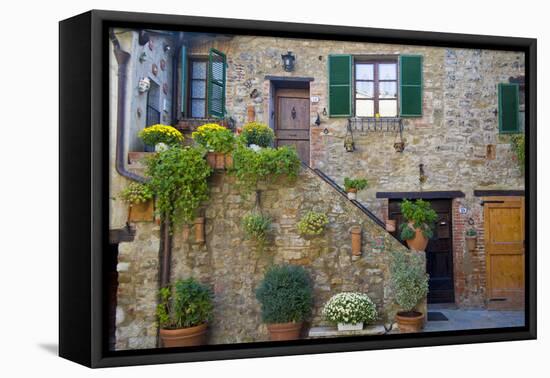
[(508, 108), (216, 83), (340, 85), (410, 68)]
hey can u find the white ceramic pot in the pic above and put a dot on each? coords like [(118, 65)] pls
[(350, 327), (352, 195)]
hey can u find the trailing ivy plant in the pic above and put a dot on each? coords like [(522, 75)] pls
[(256, 227), (421, 215), (518, 146), (408, 279), (179, 180), (251, 167), (136, 193)]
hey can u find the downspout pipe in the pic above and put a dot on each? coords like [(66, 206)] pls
[(122, 58)]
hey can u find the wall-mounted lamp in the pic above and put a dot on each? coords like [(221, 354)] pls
[(318, 120), (288, 61), (422, 176), (325, 112)]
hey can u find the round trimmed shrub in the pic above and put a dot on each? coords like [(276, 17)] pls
[(350, 308)]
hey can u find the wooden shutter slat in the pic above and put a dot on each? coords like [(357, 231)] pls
[(508, 108), (340, 85), (216, 83), (410, 85)]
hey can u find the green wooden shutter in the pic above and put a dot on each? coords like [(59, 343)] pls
[(216, 83), (340, 84), (508, 108), (410, 85), (183, 89)]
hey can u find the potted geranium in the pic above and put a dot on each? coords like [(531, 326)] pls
[(410, 284), (183, 313), (257, 134), (350, 311), (312, 224), (471, 239), (352, 186), (140, 202), (286, 296), (417, 228), (219, 141), (160, 136)]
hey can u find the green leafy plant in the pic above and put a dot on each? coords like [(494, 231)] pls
[(179, 180), (286, 294), (258, 134), (313, 223), (408, 279), (187, 303), (421, 215), (155, 134), (471, 232), (266, 165), (256, 227), (357, 184), (136, 193), (214, 138), (350, 308), (518, 146)]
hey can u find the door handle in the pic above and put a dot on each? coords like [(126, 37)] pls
[(293, 135)]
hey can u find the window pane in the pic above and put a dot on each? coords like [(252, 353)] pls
[(364, 71), (364, 108), (364, 89), (388, 108), (387, 71), (198, 89), (198, 108), (388, 89), (199, 70)]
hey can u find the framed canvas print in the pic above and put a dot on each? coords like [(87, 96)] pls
[(234, 188)]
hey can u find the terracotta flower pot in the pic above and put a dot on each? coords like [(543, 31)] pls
[(410, 321), (284, 331), (352, 193), (471, 242), (391, 225), (419, 242), (141, 212), (218, 160), (181, 337), (199, 230), (356, 240)]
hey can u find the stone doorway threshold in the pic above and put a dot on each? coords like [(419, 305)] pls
[(460, 319)]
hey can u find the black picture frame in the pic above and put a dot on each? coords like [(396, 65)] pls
[(83, 84)]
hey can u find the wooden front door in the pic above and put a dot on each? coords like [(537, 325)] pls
[(292, 120), (505, 252), (439, 252)]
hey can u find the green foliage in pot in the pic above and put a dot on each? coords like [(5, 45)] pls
[(518, 146), (215, 138), (313, 223), (256, 227), (136, 193), (358, 184), (187, 303), (408, 279), (350, 308), (179, 180), (286, 294), (420, 214), (251, 167), (155, 134), (258, 134), (471, 233)]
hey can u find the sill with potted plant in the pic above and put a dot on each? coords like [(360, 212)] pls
[(417, 228), (352, 186)]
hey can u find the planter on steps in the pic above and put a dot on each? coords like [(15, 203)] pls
[(141, 212), (218, 160)]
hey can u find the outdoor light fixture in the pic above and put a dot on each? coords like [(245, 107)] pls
[(318, 120), (167, 49), (288, 61)]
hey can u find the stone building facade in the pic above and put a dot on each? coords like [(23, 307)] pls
[(454, 151)]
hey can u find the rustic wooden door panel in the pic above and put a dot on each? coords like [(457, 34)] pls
[(292, 120), (504, 249)]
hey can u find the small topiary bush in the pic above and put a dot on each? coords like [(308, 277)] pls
[(350, 308), (286, 294), (258, 134), (313, 223), (408, 279), (155, 134), (187, 303)]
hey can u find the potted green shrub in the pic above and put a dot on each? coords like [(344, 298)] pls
[(256, 227), (258, 134), (312, 224), (352, 186), (417, 228), (140, 202), (219, 141), (183, 313), (160, 136), (410, 285), (350, 311), (286, 297), (471, 239)]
